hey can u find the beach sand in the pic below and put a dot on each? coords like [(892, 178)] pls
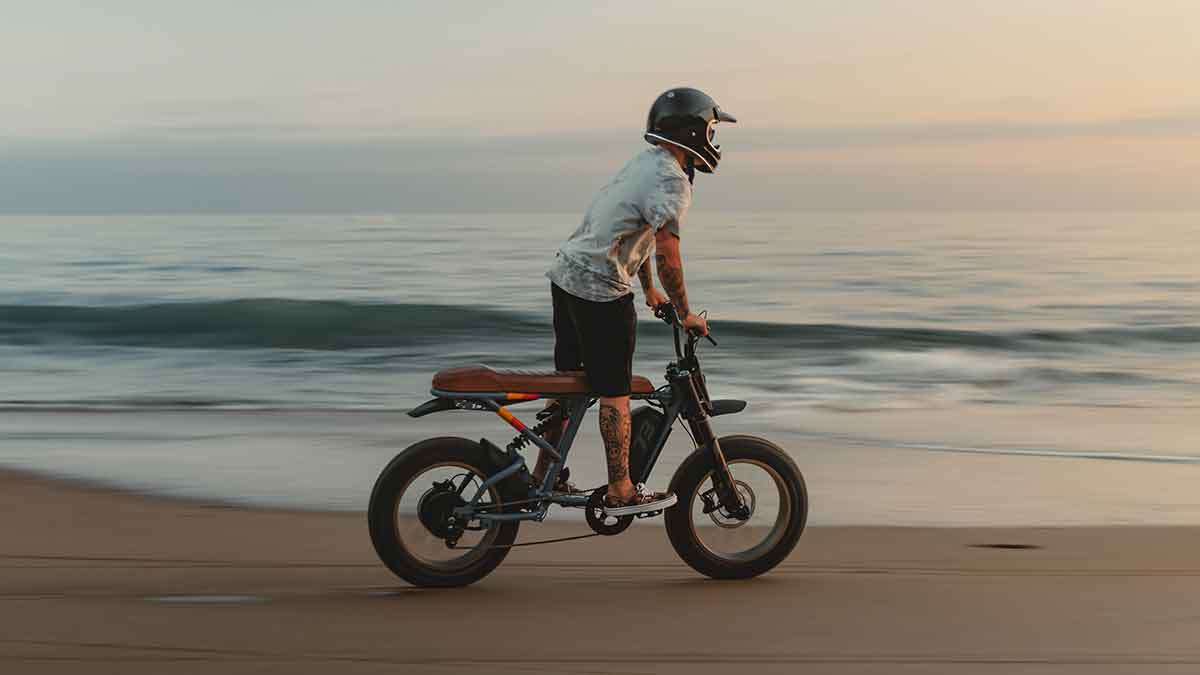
[(101, 581)]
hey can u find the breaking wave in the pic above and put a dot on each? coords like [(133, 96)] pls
[(339, 325)]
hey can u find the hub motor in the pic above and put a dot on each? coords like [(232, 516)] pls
[(436, 506)]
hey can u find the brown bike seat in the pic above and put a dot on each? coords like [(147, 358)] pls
[(477, 378)]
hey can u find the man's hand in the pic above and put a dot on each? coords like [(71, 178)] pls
[(654, 298), (695, 324)]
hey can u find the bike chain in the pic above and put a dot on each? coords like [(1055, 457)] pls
[(528, 543)]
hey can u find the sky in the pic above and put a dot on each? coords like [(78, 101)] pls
[(530, 106)]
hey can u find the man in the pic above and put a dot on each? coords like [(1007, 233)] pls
[(591, 278)]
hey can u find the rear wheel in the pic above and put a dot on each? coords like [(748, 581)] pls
[(411, 514), (719, 544)]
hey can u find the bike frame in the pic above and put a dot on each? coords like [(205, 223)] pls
[(684, 396)]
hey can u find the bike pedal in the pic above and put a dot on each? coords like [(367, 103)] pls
[(648, 514)]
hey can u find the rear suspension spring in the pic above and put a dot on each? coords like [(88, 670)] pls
[(547, 418)]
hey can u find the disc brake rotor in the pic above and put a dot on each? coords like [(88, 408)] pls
[(722, 518)]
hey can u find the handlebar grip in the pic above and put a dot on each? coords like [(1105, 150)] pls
[(666, 312)]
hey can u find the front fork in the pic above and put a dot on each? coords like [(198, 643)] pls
[(696, 412), (722, 479)]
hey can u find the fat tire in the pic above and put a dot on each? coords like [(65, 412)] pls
[(693, 471), (381, 514)]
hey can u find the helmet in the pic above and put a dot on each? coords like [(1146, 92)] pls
[(687, 118)]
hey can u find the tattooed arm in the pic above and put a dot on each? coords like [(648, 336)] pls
[(645, 276), (670, 269), (670, 272), (654, 297)]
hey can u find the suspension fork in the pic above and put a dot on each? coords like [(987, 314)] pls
[(701, 427), (698, 420)]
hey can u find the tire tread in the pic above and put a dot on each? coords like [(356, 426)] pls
[(381, 512), (694, 469)]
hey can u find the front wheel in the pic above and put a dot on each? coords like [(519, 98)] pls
[(719, 544)]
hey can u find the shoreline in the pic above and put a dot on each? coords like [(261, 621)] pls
[(560, 518), (327, 461), (97, 580)]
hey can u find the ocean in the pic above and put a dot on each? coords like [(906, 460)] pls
[(924, 368)]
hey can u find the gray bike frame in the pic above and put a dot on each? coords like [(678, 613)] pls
[(686, 396), (577, 406)]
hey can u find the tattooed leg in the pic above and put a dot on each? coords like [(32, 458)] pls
[(614, 429)]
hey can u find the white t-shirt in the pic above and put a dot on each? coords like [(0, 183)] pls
[(599, 261)]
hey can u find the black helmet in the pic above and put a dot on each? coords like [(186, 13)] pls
[(686, 118)]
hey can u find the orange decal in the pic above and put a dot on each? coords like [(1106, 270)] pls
[(508, 417)]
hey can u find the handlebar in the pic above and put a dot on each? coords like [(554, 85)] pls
[(669, 316)]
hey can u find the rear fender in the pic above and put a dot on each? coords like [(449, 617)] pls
[(433, 406)]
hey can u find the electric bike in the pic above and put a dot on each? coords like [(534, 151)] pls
[(445, 511)]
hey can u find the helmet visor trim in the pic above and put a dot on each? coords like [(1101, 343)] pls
[(681, 146)]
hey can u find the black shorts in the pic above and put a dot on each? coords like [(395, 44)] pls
[(596, 337)]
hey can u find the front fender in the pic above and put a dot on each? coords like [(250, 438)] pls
[(727, 406)]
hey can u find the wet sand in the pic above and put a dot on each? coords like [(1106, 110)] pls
[(99, 581)]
